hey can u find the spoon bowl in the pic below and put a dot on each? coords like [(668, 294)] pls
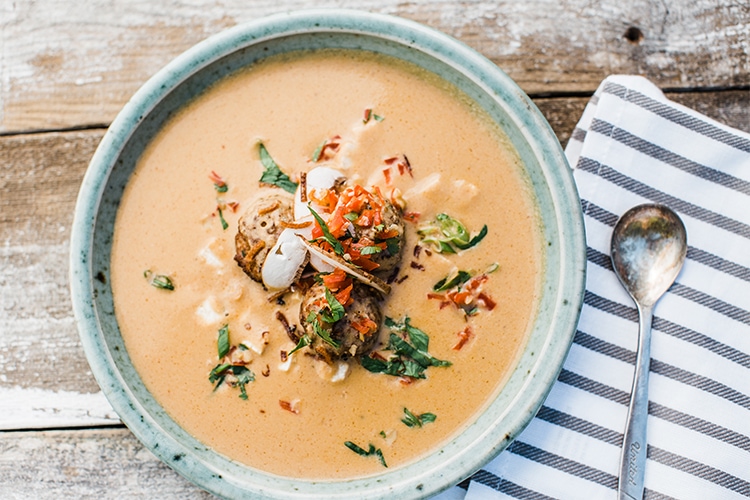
[(649, 244), (648, 248)]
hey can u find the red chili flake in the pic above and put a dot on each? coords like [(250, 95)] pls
[(368, 115), (217, 180), (463, 337), (387, 175), (417, 251), (286, 405), (402, 279), (411, 216), (405, 380), (266, 371), (417, 265), (233, 206), (486, 300), (402, 163), (247, 326), (284, 356)]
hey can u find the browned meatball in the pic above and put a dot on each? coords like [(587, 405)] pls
[(354, 334), (389, 258), (259, 228)]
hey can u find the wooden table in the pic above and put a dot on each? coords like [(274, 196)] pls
[(66, 68)]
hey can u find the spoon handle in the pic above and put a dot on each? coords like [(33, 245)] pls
[(634, 444)]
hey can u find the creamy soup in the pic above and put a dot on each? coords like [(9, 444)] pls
[(395, 127)]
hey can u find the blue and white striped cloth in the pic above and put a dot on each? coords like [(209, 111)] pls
[(632, 146)]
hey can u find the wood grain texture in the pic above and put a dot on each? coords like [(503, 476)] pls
[(66, 64), (102, 463)]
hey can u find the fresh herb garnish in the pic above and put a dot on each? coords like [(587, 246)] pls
[(351, 216), (219, 184), (448, 235), (409, 358), (272, 173), (370, 250), (224, 224), (327, 236), (335, 307), (370, 115), (158, 280), (239, 375), (304, 341), (223, 342), (320, 331), (242, 376), (412, 420), (370, 451), (449, 282), (318, 152)]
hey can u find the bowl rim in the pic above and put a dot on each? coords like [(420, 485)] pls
[(453, 462)]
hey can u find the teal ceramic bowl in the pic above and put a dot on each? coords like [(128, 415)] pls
[(215, 58)]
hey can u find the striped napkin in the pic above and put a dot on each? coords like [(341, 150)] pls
[(633, 146)]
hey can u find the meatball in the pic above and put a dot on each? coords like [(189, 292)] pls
[(259, 228), (393, 228), (354, 334)]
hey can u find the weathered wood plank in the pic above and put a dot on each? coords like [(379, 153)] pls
[(105, 463), (45, 381), (76, 63)]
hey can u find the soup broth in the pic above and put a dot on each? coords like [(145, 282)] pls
[(197, 176)]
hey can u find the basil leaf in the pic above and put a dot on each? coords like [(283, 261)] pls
[(370, 250), (337, 310), (412, 420), (304, 341), (445, 284), (373, 365), (158, 281), (476, 239), (368, 452), (223, 342), (218, 373), (244, 377), (320, 331), (272, 173)]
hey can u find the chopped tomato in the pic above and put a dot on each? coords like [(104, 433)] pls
[(364, 325), (463, 337), (344, 296), (336, 280)]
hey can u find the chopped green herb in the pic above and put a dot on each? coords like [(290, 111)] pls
[(318, 151), (242, 376), (392, 245), (448, 235), (412, 420), (320, 331), (370, 451), (407, 359), (272, 173), (492, 268), (369, 250), (223, 342), (327, 236), (336, 308), (224, 224), (352, 216), (304, 341), (449, 281), (158, 280), (383, 434)]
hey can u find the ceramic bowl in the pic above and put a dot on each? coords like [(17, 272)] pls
[(220, 55)]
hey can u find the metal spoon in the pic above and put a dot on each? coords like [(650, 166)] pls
[(648, 248)]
